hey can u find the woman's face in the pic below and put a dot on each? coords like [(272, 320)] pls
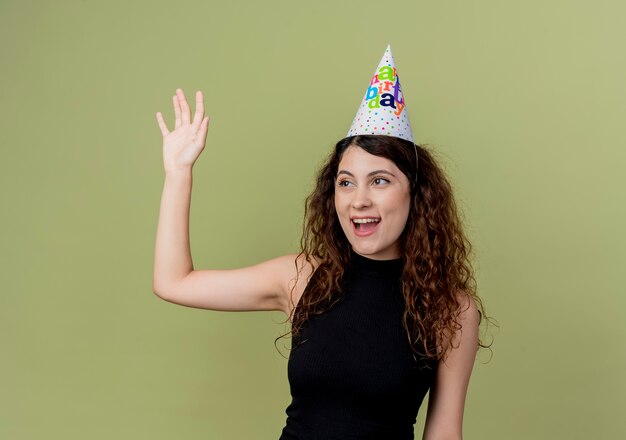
[(372, 200)]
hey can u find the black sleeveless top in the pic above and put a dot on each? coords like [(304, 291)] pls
[(351, 371)]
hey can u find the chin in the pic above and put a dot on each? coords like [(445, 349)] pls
[(376, 253)]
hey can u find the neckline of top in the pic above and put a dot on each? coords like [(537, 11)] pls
[(383, 267)]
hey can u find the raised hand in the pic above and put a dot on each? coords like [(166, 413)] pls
[(182, 146)]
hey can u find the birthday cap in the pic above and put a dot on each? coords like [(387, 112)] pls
[(383, 110)]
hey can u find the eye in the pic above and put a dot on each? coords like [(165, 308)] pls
[(379, 180), (343, 182)]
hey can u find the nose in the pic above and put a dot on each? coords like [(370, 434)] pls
[(361, 198)]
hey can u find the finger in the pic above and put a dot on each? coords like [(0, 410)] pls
[(183, 106), (177, 112), (203, 130), (199, 116), (162, 126)]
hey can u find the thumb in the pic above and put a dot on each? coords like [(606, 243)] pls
[(203, 130)]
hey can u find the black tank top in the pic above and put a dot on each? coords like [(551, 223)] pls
[(351, 371)]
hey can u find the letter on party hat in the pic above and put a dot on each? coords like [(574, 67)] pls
[(383, 110)]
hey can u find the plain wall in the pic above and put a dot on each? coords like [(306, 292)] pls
[(523, 102)]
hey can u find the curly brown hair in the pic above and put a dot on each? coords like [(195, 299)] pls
[(437, 277)]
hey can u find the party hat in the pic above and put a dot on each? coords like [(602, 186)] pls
[(383, 110)]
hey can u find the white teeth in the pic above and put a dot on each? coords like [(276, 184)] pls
[(365, 220)]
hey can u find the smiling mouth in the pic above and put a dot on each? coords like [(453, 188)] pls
[(365, 224)]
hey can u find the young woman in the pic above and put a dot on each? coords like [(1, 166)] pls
[(381, 298)]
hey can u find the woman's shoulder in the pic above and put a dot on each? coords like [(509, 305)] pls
[(294, 264), (297, 271)]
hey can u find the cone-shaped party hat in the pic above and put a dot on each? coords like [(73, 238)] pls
[(383, 110)]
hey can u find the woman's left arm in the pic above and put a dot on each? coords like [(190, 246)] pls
[(446, 399)]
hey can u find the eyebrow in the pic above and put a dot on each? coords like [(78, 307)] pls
[(368, 175)]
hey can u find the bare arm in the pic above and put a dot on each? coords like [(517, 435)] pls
[(181, 148), (446, 401), (264, 286)]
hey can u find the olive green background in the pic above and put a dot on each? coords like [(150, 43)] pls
[(523, 102)]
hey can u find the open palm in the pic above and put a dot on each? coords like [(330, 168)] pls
[(182, 146)]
